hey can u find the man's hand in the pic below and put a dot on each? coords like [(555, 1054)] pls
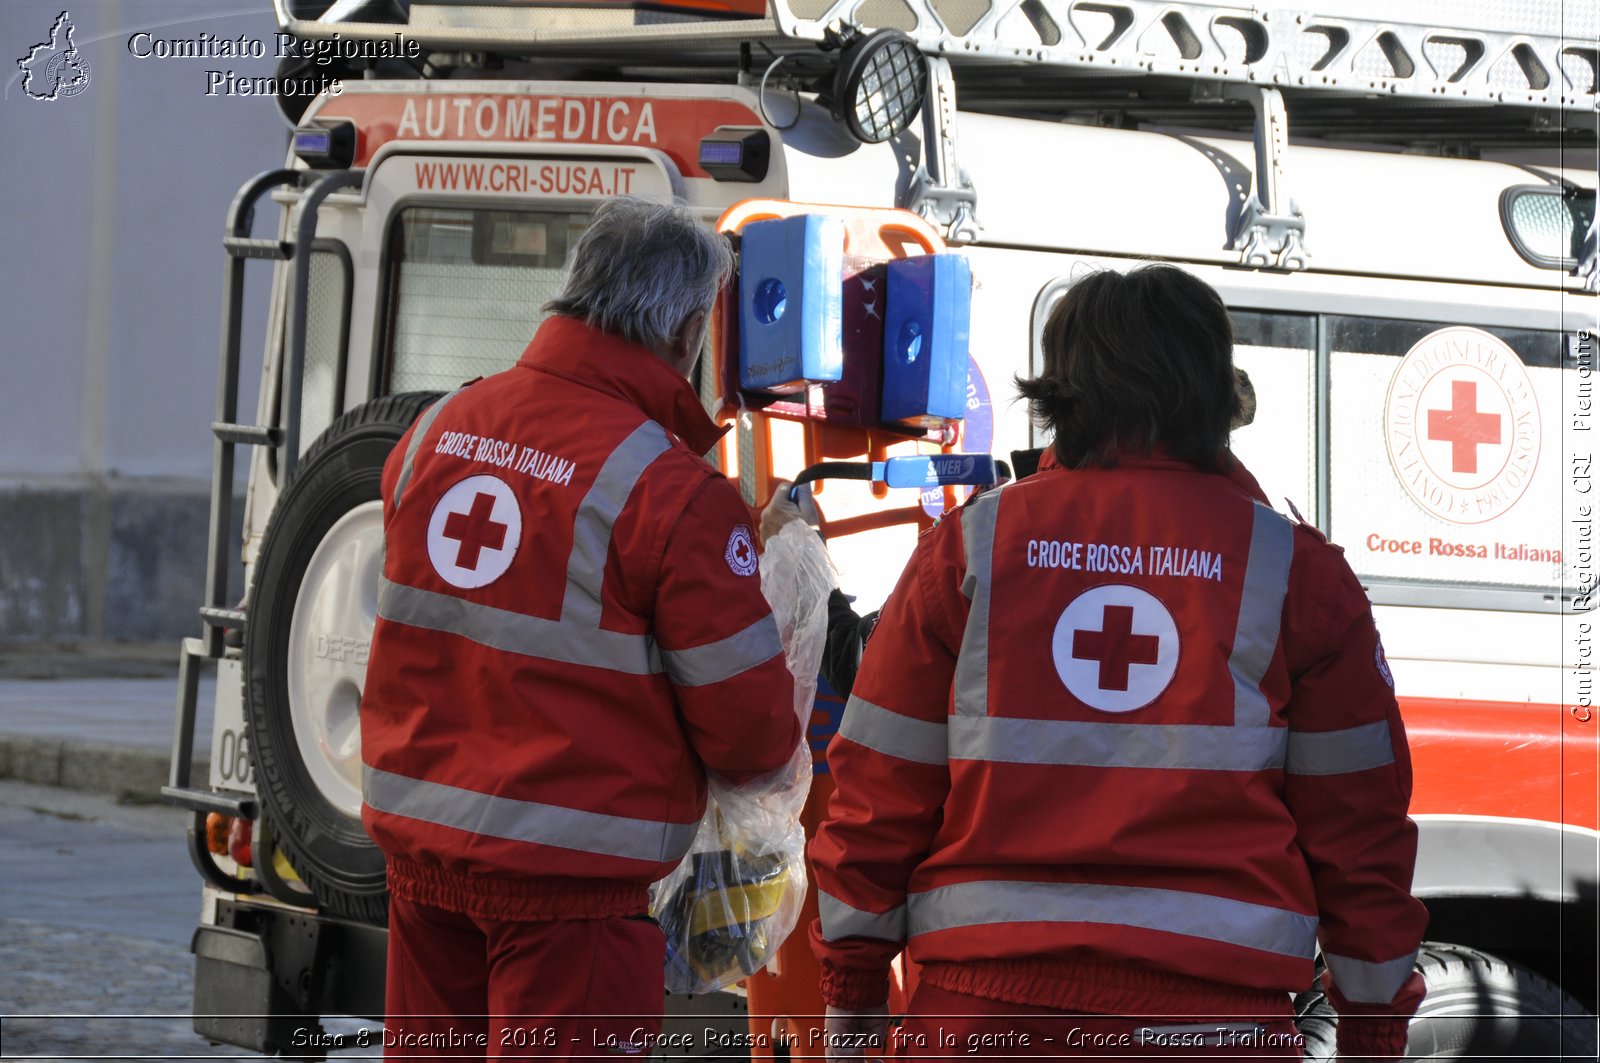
[(850, 1035), (779, 511)]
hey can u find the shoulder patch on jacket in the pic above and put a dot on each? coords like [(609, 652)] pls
[(741, 552), (1382, 662)]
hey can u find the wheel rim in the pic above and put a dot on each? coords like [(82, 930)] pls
[(329, 636)]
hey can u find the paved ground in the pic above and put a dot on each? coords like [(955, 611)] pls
[(122, 711), (73, 855), (85, 993), (101, 899), (108, 735), (94, 945), (88, 660), (101, 903)]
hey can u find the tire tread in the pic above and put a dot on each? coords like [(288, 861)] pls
[(357, 892)]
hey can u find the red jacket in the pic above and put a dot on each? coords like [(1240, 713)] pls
[(570, 631), (1123, 742)]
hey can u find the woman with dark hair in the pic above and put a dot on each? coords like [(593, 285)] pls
[(1135, 363), (1123, 748)]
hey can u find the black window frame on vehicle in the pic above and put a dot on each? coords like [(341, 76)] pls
[(387, 312), (339, 253)]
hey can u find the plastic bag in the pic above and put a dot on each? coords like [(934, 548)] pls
[(736, 896)]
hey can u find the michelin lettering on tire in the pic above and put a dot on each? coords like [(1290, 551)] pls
[(1461, 423)]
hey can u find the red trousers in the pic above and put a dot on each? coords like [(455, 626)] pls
[(466, 987), (941, 1024)]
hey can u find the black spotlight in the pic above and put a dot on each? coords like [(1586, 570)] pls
[(880, 84)]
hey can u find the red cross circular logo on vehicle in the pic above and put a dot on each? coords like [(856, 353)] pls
[(1462, 425), (474, 532), (1116, 648)]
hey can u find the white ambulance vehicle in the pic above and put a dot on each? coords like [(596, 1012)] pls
[(1396, 199)]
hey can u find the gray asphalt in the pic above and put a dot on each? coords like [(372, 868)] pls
[(106, 735), (101, 902), (71, 855), (101, 899)]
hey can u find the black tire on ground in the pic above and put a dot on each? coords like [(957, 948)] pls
[(327, 847), (1478, 1007)]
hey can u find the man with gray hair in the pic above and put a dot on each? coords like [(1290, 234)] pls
[(570, 634)]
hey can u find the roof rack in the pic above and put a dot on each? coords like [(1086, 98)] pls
[(1531, 54), (619, 34), (1458, 77), (1534, 54)]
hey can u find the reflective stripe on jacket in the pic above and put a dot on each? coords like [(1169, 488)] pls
[(570, 630), (1120, 722)]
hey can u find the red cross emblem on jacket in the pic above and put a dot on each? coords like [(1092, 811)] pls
[(1116, 648), (474, 532)]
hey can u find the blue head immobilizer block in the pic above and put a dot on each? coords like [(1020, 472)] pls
[(791, 303), (926, 322)]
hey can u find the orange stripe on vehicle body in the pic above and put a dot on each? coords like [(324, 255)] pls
[(1520, 760)]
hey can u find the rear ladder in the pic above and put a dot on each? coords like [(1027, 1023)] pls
[(216, 614)]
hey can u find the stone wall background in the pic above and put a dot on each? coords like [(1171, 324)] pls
[(112, 209)]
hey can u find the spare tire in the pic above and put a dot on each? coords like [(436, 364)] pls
[(1478, 1007), (313, 602)]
